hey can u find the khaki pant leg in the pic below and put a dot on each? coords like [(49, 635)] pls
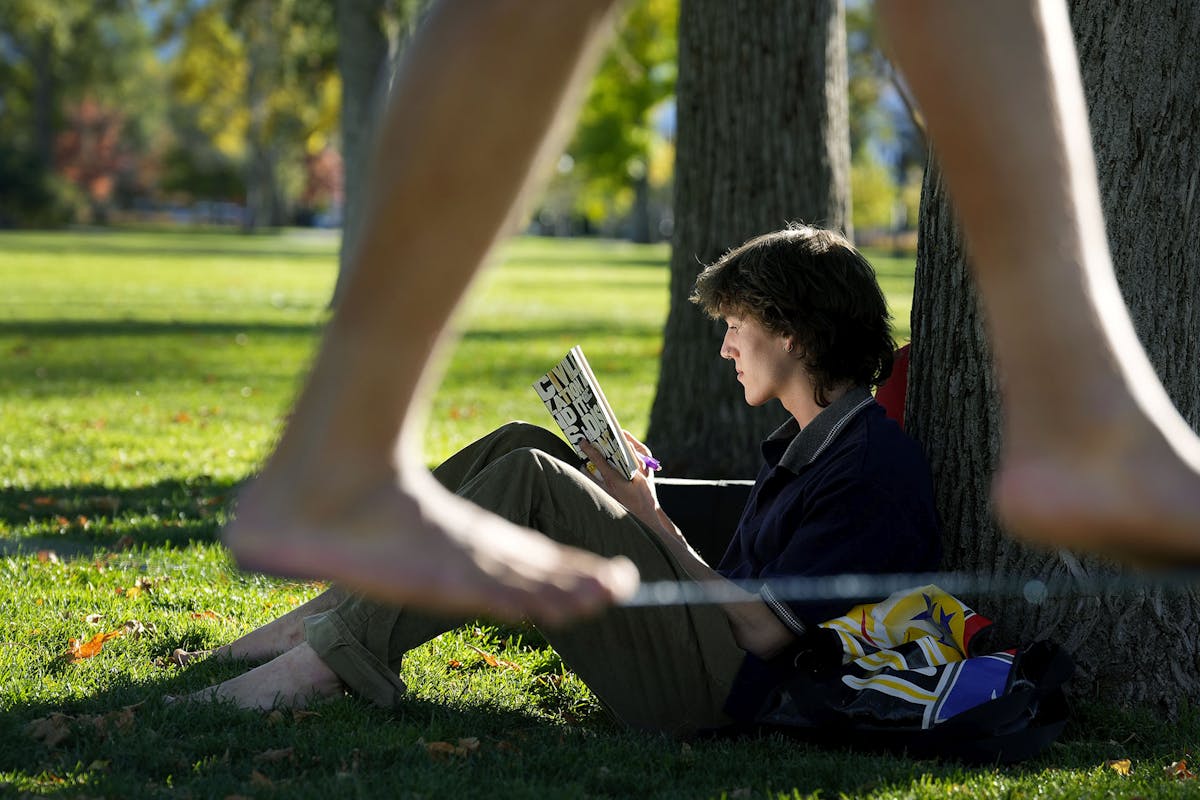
[(468, 462), (664, 669), (364, 641)]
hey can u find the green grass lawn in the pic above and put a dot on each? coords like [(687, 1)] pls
[(143, 375)]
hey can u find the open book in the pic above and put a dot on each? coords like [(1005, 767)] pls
[(575, 400)]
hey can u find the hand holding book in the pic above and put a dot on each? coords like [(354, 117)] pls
[(574, 398)]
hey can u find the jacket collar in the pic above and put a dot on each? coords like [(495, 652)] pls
[(811, 441)]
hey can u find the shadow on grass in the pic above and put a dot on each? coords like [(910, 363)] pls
[(602, 258), (273, 249), (345, 747), (78, 520), (91, 329)]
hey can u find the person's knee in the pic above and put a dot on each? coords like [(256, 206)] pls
[(532, 471), (520, 435)]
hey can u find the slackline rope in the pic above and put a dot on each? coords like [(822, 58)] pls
[(872, 588)]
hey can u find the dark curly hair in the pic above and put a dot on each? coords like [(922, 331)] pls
[(813, 285)]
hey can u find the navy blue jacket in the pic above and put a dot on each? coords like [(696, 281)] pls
[(851, 493)]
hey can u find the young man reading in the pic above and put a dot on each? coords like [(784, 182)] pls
[(841, 489)]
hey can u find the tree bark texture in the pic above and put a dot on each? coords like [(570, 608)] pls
[(1140, 76), (362, 62), (763, 139)]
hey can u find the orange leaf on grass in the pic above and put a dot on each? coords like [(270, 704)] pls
[(77, 650), (47, 556), (44, 500), (1179, 771), (1120, 766), (493, 661)]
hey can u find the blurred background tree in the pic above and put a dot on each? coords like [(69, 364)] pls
[(615, 175), (80, 109), (256, 93), (887, 141), (259, 114)]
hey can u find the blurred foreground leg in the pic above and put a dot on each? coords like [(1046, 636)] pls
[(1095, 455), (477, 106)]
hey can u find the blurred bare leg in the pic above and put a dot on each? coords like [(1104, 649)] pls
[(1095, 455), (475, 110)]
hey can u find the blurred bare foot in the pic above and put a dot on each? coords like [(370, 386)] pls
[(409, 541), (293, 680), (1125, 491)]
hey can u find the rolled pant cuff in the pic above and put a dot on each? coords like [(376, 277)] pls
[(353, 663)]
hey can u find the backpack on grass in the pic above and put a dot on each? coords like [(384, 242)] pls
[(906, 675)]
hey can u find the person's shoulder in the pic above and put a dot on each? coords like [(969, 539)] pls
[(879, 451)]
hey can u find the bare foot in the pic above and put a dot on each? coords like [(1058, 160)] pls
[(293, 680), (1128, 494), (409, 541)]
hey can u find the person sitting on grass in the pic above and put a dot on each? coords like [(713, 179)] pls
[(842, 489)]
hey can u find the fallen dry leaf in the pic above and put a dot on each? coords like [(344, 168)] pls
[(440, 751), (121, 720), (47, 556), (275, 717), (454, 663), (44, 500), (493, 661), (77, 651), (275, 756), (134, 628), (107, 503), (303, 713), (93, 619), (1179, 771), (142, 585), (50, 731), (204, 615), (258, 779), (1120, 766)]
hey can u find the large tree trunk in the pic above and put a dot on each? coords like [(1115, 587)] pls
[(362, 58), (763, 138), (45, 98), (1140, 78)]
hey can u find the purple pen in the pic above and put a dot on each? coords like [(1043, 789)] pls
[(651, 462)]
